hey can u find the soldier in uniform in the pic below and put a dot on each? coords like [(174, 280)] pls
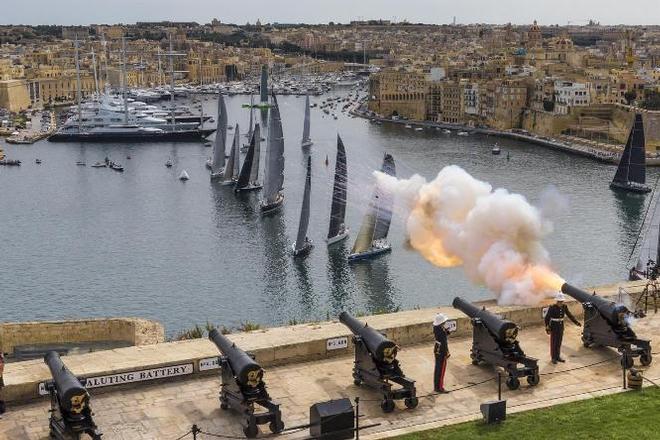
[(441, 352), (554, 326)]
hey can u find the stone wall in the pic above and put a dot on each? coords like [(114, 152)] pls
[(135, 331)]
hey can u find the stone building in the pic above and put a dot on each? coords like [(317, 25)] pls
[(14, 95), (398, 93)]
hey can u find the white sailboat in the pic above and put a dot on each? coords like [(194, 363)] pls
[(184, 176), (248, 178), (372, 238), (274, 177), (306, 140), (232, 168), (338, 230), (217, 162), (303, 244)]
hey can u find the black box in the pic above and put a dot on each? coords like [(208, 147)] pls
[(494, 411), (332, 420)]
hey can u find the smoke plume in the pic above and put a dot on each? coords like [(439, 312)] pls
[(495, 235)]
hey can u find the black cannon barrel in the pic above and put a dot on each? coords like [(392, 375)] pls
[(71, 393), (503, 329), (383, 349), (610, 310), (246, 370)]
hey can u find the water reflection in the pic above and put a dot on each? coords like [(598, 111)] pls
[(631, 209), (339, 277), (276, 259), (373, 279), (308, 298)]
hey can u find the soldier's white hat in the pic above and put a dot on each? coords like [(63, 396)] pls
[(440, 319)]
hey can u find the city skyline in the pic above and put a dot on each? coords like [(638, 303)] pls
[(562, 12)]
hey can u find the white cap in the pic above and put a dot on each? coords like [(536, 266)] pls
[(440, 319), (560, 297)]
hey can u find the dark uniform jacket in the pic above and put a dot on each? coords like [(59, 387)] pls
[(556, 311), (441, 347)]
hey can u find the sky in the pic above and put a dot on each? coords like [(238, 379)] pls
[(70, 12)]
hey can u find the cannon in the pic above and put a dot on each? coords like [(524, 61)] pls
[(243, 387), (607, 323), (495, 342), (70, 411), (376, 365)]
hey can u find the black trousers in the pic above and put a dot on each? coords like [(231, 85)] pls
[(439, 372), (556, 337)]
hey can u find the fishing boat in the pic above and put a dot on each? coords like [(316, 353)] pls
[(233, 166), (274, 174), (303, 245), (372, 238), (248, 179), (338, 230), (99, 165), (217, 162), (631, 172), (184, 176), (306, 140), (496, 150)]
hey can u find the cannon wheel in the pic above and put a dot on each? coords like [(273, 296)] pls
[(223, 404), (276, 428), (627, 361), (251, 430), (534, 379), (512, 383), (646, 359), (411, 402), (387, 405)]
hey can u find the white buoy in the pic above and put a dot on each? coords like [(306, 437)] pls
[(184, 175)]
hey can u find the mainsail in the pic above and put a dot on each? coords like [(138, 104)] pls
[(263, 89), (301, 238), (250, 169), (637, 170), (232, 168), (305, 136), (384, 201), (254, 172), (218, 162), (251, 127), (274, 178), (339, 192), (365, 236)]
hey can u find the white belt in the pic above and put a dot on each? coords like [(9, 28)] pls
[(557, 319)]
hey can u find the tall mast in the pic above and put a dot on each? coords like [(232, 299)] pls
[(201, 108), (78, 91), (160, 69), (172, 82), (125, 79), (96, 77)]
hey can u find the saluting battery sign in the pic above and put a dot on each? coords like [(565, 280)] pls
[(336, 343), (131, 376)]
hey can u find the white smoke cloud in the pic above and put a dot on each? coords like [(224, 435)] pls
[(495, 235)]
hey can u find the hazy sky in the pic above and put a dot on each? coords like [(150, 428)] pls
[(321, 11)]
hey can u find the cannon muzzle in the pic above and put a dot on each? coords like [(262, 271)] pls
[(614, 313), (383, 349), (72, 395), (504, 330), (245, 369)]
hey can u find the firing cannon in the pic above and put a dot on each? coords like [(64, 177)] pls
[(243, 387), (495, 342), (606, 323), (70, 411), (376, 365)]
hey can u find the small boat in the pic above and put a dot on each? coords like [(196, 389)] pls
[(446, 131), (337, 231), (80, 163), (631, 171), (419, 128), (306, 140), (208, 144), (303, 245), (169, 163), (10, 162), (115, 166), (37, 161), (184, 176), (496, 150), (128, 157), (463, 133), (99, 165), (408, 126)]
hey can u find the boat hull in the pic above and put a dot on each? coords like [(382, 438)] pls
[(337, 238), (165, 136), (306, 144), (302, 252), (640, 189), (271, 207), (371, 253), (249, 188)]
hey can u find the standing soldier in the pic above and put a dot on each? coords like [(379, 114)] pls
[(441, 352), (554, 326)]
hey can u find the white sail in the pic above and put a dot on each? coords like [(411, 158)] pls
[(274, 177), (233, 167), (301, 239), (218, 161)]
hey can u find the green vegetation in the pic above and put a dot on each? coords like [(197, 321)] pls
[(631, 415), (248, 326)]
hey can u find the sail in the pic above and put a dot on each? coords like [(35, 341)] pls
[(256, 136), (364, 238), (305, 136), (339, 192), (274, 178), (246, 169), (236, 152), (384, 201), (231, 170), (263, 89), (304, 212), (637, 169), (218, 161), (251, 127)]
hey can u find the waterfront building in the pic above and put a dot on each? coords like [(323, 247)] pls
[(571, 94), (398, 93), (14, 95)]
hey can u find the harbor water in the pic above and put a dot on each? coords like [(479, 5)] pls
[(78, 241)]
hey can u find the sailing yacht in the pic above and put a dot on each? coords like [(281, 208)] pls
[(251, 127), (372, 238), (306, 141), (274, 177), (263, 88), (232, 168), (631, 172), (217, 162), (338, 230), (248, 178), (303, 244)]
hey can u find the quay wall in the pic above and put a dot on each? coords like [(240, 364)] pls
[(271, 347), (135, 331)]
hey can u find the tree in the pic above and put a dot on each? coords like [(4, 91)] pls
[(652, 100), (630, 96)]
